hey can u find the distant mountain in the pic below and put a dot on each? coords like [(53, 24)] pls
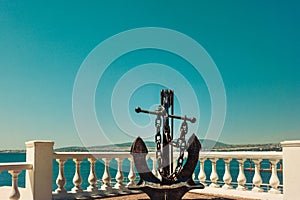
[(151, 145), (205, 143), (72, 149)]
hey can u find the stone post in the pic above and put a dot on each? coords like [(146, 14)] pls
[(39, 179), (291, 175)]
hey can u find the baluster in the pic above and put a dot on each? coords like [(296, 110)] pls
[(92, 176), (131, 175), (119, 176), (274, 181), (227, 176), (61, 180), (15, 194), (106, 175), (77, 177), (214, 175), (154, 171), (257, 181), (202, 175), (241, 179)]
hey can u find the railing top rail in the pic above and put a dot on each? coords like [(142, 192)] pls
[(15, 166), (243, 154), (203, 154), (93, 153), (96, 155)]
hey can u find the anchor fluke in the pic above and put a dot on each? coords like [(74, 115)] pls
[(139, 152), (193, 150)]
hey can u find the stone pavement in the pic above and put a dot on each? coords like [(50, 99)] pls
[(187, 196)]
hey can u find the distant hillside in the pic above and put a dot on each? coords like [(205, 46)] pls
[(217, 146), (120, 147), (126, 146), (205, 143), (72, 149)]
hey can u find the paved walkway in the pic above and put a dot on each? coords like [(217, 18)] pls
[(187, 196), (207, 193)]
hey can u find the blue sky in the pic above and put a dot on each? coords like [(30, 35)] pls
[(254, 44)]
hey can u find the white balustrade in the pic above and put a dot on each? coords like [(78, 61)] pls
[(61, 180), (78, 157), (61, 157), (202, 175), (241, 179), (92, 176), (15, 194), (227, 176), (227, 157), (257, 180), (77, 177), (154, 170), (131, 175), (14, 169), (119, 176), (106, 175), (274, 181), (241, 157), (214, 175)]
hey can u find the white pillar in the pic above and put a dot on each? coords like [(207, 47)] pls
[(92, 176), (15, 194), (154, 171), (291, 175), (241, 179), (202, 175), (227, 176), (106, 175), (77, 180), (39, 179), (61, 179), (257, 180), (119, 176), (274, 181), (214, 175), (131, 175)]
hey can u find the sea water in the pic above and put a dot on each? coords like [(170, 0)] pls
[(69, 170)]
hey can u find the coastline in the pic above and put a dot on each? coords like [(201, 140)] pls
[(125, 147)]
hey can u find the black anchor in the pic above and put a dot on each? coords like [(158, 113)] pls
[(173, 184)]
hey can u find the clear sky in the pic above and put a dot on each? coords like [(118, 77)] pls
[(254, 44)]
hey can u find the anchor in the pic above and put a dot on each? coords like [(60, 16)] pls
[(173, 183)]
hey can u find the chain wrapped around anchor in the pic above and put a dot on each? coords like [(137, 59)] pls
[(181, 144)]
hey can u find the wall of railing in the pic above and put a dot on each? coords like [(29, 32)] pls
[(40, 157), (253, 159), (106, 157), (15, 169), (207, 175)]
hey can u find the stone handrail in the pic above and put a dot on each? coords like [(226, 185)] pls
[(92, 157), (39, 168), (15, 168), (241, 157)]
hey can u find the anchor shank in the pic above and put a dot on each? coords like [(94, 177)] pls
[(167, 102)]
